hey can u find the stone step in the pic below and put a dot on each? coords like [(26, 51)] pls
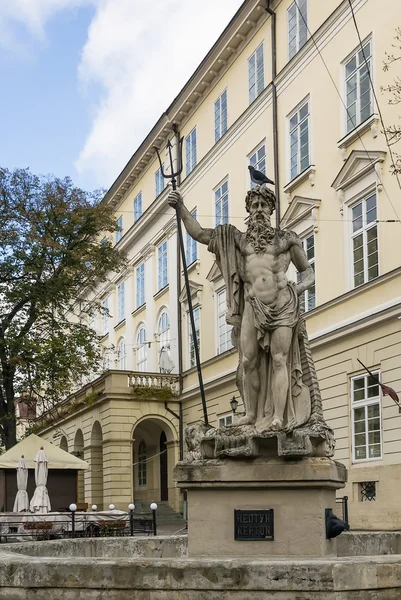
[(165, 514)]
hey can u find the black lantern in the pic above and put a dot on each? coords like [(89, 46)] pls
[(234, 404)]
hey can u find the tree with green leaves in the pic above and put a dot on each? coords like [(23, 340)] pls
[(51, 264)]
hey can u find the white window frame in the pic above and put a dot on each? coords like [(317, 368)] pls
[(162, 265), (349, 123), (312, 261), (299, 23), (142, 464), (297, 128), (105, 317), (224, 418), (121, 302), (190, 152), (258, 163), (163, 330), (141, 349), (191, 246), (119, 232), (140, 285), (364, 231), (222, 200), (375, 400), (256, 73), (121, 354), (138, 207), (191, 346), (159, 181), (222, 324), (220, 116)]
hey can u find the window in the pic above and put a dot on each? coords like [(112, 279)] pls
[(163, 330), (307, 300), (159, 180), (142, 350), (106, 359), (121, 302), (225, 420), (162, 274), (121, 355), (105, 316), (142, 463), (190, 151), (119, 231), (221, 204), (299, 141), (367, 491), (366, 418), (358, 90), (192, 360), (258, 160), (191, 249), (297, 26), (138, 207), (365, 250), (256, 75), (220, 116), (223, 328), (140, 285)]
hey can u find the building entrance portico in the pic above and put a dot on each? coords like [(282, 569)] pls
[(155, 451)]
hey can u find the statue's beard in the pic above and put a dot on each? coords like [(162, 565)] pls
[(260, 233)]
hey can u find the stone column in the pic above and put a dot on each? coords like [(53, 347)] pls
[(93, 454), (150, 274), (173, 297), (117, 471)]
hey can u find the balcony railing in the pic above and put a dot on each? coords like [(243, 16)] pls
[(155, 380)]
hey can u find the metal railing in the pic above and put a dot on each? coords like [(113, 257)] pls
[(344, 504), (30, 527)]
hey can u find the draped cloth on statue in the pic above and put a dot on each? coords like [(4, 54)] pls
[(228, 244)]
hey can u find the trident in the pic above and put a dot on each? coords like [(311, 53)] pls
[(173, 177)]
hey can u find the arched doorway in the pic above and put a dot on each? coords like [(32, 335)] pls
[(155, 452), (79, 453), (96, 463), (163, 468), (64, 443)]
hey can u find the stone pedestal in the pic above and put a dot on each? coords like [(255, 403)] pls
[(298, 491)]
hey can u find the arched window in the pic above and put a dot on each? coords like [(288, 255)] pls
[(142, 463), (163, 329), (142, 350), (121, 354)]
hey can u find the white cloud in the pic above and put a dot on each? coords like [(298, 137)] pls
[(32, 15), (141, 53)]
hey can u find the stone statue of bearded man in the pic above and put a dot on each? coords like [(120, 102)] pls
[(263, 308)]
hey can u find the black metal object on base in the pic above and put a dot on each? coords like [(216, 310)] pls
[(334, 525)]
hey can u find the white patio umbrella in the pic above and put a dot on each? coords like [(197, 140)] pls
[(21, 503), (40, 501)]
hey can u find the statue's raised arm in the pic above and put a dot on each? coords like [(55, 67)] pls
[(197, 232)]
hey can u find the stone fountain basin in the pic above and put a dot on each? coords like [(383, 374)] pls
[(158, 569)]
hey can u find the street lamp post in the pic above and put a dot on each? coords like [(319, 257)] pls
[(153, 508)]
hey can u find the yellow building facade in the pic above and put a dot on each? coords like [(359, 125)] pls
[(289, 88)]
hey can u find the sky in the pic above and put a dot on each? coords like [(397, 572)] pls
[(83, 81)]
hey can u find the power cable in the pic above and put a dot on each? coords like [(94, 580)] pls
[(343, 103), (374, 94)]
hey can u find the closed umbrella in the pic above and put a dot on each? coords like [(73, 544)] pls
[(40, 501), (21, 503)]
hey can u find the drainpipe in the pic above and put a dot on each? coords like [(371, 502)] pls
[(274, 97), (179, 313), (180, 424)]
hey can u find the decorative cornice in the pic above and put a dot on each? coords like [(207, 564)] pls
[(357, 165), (298, 210), (195, 289)]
